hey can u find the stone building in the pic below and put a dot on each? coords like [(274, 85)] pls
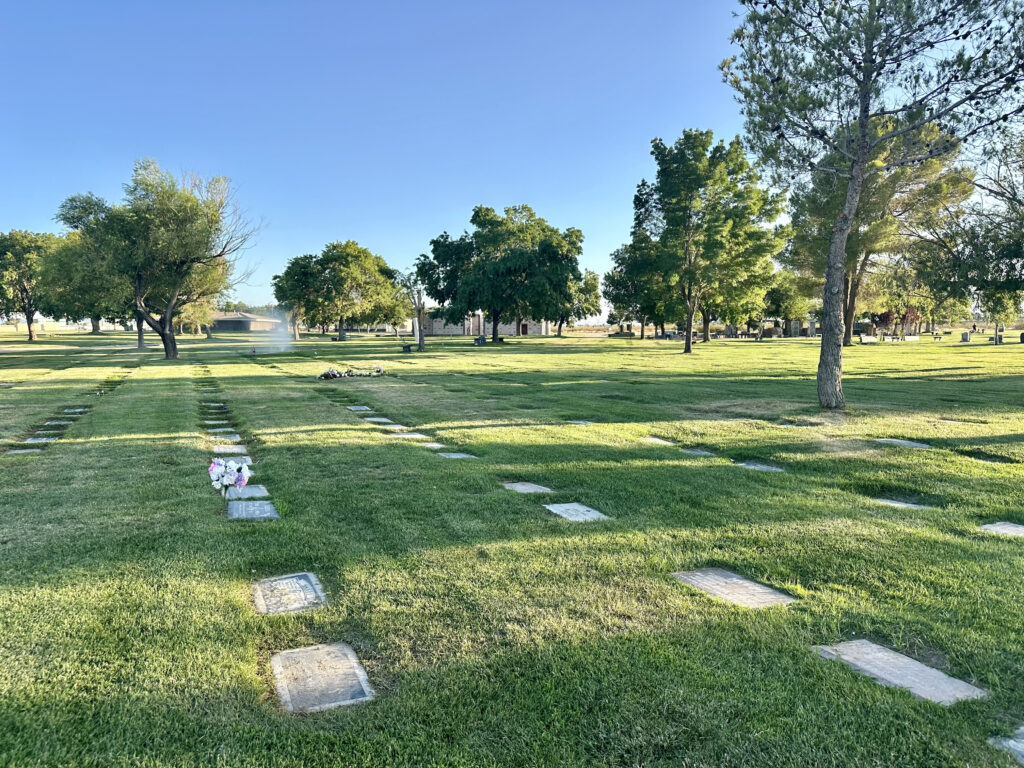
[(477, 324)]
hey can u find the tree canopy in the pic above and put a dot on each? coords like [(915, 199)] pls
[(708, 220), (21, 256), (171, 242), (514, 265)]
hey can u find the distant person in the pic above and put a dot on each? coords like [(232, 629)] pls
[(974, 328)]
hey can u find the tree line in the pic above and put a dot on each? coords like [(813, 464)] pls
[(160, 257), (862, 113), (511, 266)]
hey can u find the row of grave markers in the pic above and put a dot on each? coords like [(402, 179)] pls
[(54, 428), (1002, 527), (308, 679), (884, 665)]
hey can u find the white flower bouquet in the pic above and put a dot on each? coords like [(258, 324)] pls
[(228, 474)]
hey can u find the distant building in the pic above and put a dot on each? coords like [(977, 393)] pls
[(243, 321), (476, 325)]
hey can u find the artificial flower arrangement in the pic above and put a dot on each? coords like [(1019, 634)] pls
[(334, 373), (228, 474)]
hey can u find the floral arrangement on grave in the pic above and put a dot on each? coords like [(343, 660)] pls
[(334, 373), (228, 474)]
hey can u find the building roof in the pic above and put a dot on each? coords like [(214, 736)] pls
[(244, 316)]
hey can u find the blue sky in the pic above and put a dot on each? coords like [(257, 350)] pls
[(383, 123)]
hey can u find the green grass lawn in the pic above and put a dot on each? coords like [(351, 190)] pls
[(494, 632)]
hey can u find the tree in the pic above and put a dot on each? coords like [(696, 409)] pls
[(174, 243), (79, 284), (624, 291), (1001, 306), (21, 256), (511, 266), (891, 202), (356, 286), (412, 288), (814, 76), (709, 218), (584, 301), (785, 298), (196, 316), (297, 291), (959, 255)]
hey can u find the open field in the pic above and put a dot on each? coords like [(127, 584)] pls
[(494, 632)]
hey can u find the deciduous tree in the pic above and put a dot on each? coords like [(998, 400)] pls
[(709, 217), (173, 242), (21, 257), (512, 265)]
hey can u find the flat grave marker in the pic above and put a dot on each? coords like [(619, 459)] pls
[(697, 452), (411, 435), (759, 467), (901, 504), (25, 450), (433, 446), (75, 410), (394, 427), (215, 421), (55, 422), (40, 440), (895, 670), (378, 420), (579, 421), (218, 430), (319, 677), (232, 438), (578, 513), (1013, 744), (656, 440), (229, 449), (247, 492), (242, 459), (1004, 528), (733, 588), (527, 488), (359, 407), (48, 432), (456, 455), (252, 510), (288, 594), (903, 443), (212, 405)]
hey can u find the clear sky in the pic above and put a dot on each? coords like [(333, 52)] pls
[(379, 122)]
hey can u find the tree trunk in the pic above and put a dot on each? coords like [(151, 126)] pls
[(140, 331), (833, 327), (209, 331), (295, 328), (28, 322), (688, 344), (421, 344), (495, 319), (560, 327), (643, 327), (341, 329), (706, 325), (95, 324)]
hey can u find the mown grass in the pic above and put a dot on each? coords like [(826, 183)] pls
[(494, 632)]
